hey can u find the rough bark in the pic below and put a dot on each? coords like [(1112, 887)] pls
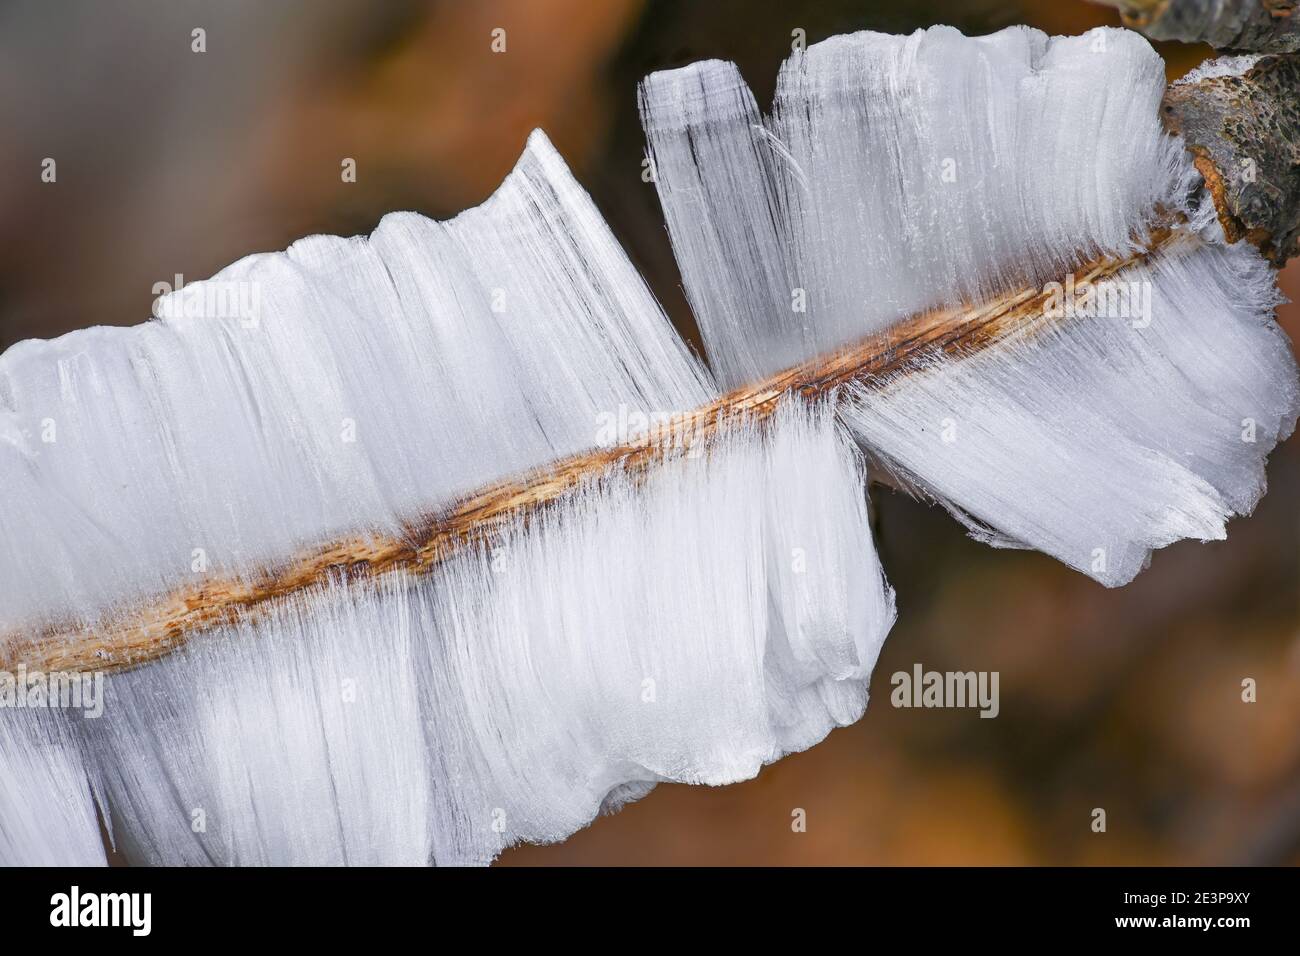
[(1241, 120), (1255, 26)]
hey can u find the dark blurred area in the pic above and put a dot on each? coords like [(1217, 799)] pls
[(176, 162)]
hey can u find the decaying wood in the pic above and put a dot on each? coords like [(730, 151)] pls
[(160, 626), (1252, 26), (1244, 130)]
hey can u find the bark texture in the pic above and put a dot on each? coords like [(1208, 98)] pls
[(1241, 120), (1255, 26)]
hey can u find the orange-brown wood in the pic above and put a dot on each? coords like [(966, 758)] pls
[(158, 626)]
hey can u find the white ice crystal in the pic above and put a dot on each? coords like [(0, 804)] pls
[(898, 174), (689, 624)]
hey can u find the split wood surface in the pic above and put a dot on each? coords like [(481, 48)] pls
[(157, 627)]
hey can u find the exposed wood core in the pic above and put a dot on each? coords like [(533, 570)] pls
[(157, 627)]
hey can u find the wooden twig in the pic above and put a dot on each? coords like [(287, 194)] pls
[(159, 626), (1255, 26), (1244, 131)]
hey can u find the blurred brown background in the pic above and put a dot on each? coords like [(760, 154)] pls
[(173, 162)]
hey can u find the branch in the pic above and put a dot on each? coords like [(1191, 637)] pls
[(1242, 128), (1256, 26), (1241, 121), (162, 625)]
